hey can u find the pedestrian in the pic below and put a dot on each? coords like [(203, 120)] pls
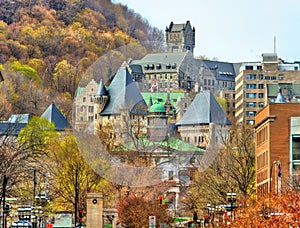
[(195, 218)]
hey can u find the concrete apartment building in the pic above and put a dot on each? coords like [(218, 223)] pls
[(277, 146), (252, 80)]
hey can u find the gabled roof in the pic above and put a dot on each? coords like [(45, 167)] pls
[(52, 114), (204, 110), (124, 93), (19, 118), (177, 27), (14, 124), (225, 71)]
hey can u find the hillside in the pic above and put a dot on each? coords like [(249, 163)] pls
[(46, 46)]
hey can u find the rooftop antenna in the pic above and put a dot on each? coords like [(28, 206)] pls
[(274, 44)]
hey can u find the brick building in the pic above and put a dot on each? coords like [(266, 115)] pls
[(277, 146)]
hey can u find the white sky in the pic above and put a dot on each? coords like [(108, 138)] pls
[(230, 30)]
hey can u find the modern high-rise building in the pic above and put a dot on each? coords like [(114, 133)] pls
[(252, 80)]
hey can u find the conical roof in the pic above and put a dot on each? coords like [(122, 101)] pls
[(280, 98), (101, 89), (124, 93), (204, 110), (52, 114)]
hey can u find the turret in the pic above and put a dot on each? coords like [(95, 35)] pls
[(100, 98)]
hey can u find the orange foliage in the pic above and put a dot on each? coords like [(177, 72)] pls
[(271, 211)]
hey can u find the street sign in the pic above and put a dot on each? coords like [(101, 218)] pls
[(152, 221)]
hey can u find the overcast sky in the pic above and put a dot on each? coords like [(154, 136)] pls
[(232, 30)]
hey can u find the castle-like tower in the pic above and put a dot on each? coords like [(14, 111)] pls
[(100, 99), (180, 37)]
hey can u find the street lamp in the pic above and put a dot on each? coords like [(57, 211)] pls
[(231, 197)]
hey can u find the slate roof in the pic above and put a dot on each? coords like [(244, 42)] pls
[(177, 27), (158, 62), (280, 98), (101, 89), (225, 70), (124, 93), (14, 124), (204, 110), (52, 114)]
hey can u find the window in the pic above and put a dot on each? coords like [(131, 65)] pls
[(280, 77), (251, 113), (251, 104), (91, 108), (251, 86), (251, 95), (227, 95), (259, 67), (267, 77), (251, 76), (296, 154), (212, 82), (260, 95), (204, 81), (249, 67), (208, 82), (261, 104), (250, 122), (273, 78), (84, 99), (91, 118), (260, 86), (261, 77)]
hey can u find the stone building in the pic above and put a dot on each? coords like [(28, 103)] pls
[(171, 71), (83, 107), (180, 37), (203, 118)]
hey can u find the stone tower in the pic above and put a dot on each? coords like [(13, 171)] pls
[(180, 37), (100, 99)]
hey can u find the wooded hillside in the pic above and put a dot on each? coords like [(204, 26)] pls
[(46, 46)]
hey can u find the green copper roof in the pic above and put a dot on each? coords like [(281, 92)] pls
[(158, 108), (162, 97), (79, 90), (172, 143)]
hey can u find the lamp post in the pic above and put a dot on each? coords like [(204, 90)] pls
[(231, 197)]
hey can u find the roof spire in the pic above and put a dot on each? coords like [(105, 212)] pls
[(280, 98)]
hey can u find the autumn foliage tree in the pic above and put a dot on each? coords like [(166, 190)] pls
[(134, 211), (281, 210)]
